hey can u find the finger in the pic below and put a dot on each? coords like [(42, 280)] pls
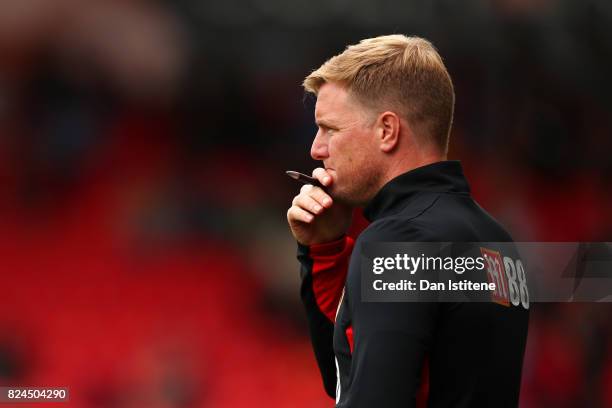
[(316, 193), (320, 196), (296, 213), (322, 175), (306, 188), (308, 203)]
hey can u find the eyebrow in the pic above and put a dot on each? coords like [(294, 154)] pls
[(324, 123)]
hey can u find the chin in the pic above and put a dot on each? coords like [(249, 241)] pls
[(348, 198), (337, 194)]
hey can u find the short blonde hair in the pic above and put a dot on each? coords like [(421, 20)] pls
[(404, 73)]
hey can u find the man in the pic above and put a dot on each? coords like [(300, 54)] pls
[(384, 111)]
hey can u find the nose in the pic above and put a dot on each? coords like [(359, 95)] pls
[(319, 151)]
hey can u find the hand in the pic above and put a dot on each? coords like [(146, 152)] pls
[(314, 217)]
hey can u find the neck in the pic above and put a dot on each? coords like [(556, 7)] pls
[(399, 167)]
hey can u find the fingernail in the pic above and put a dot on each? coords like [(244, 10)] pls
[(326, 179), (326, 201), (317, 208), (309, 217)]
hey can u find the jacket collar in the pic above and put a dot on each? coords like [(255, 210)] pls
[(439, 177)]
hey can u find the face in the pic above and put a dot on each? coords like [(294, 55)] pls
[(346, 144)]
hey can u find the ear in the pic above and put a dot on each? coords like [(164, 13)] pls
[(388, 131)]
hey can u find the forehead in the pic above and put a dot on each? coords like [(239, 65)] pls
[(332, 101)]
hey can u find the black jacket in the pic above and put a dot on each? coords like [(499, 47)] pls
[(377, 350)]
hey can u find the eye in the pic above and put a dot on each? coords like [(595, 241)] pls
[(327, 129)]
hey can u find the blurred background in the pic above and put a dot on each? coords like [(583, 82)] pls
[(144, 256)]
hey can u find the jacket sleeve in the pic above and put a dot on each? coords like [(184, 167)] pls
[(323, 270)]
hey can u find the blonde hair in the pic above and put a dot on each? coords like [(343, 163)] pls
[(405, 73)]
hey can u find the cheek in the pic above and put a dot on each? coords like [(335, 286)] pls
[(338, 152), (350, 150)]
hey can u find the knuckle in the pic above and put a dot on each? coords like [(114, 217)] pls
[(306, 188), (313, 191), (325, 199), (320, 174), (320, 194)]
